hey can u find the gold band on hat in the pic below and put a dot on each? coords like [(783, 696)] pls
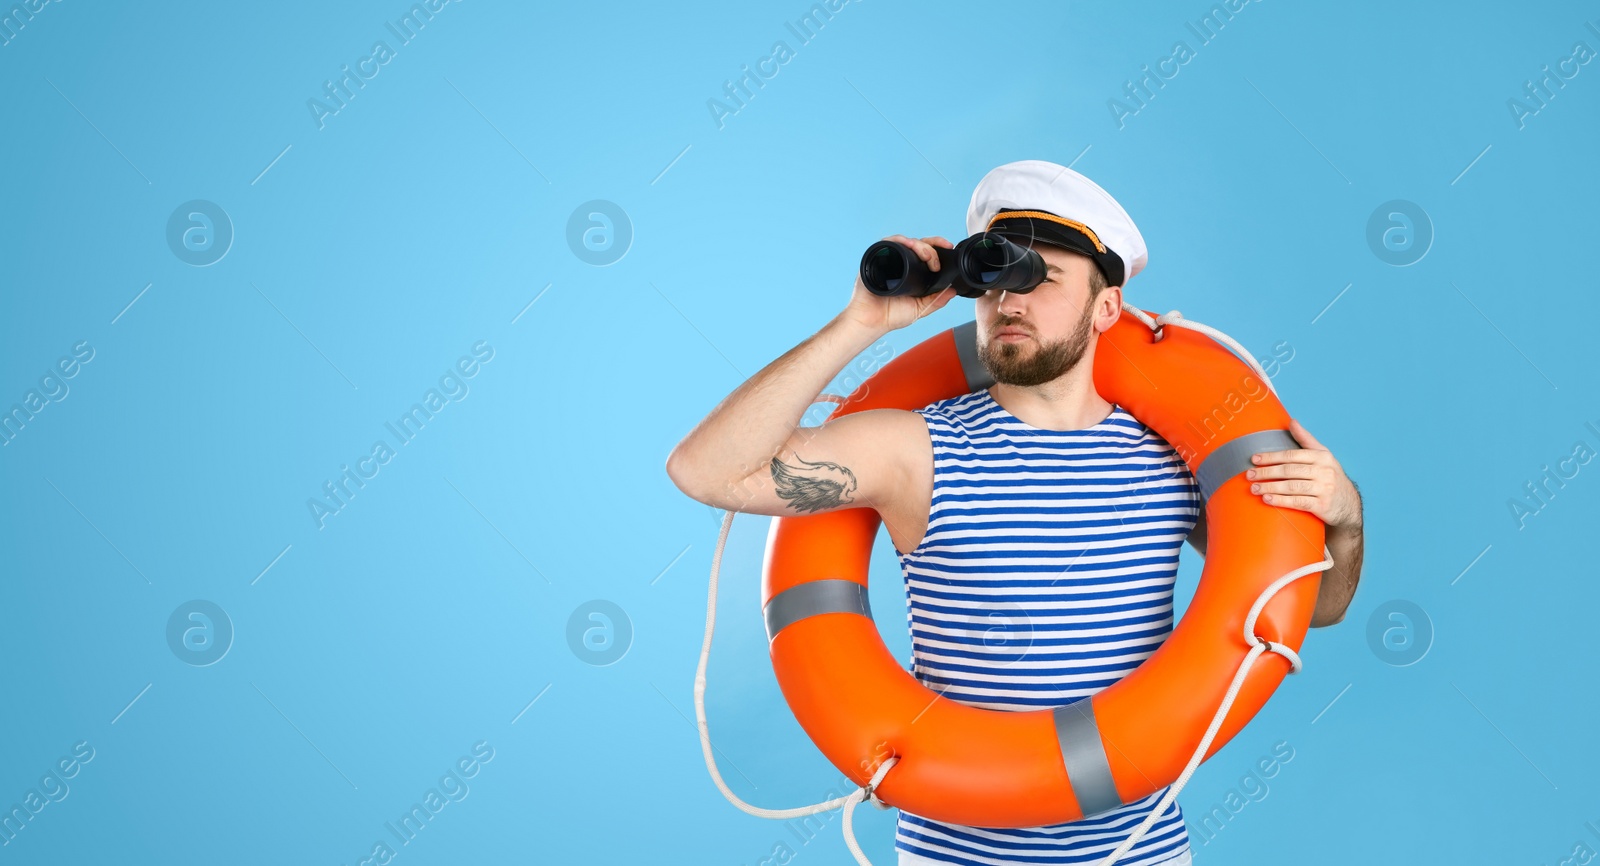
[(1050, 217)]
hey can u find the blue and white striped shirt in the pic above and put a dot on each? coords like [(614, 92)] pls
[(1046, 574)]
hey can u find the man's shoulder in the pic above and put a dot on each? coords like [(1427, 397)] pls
[(949, 411), (1138, 428), (1146, 439), (884, 431)]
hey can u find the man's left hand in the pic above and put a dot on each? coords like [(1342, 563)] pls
[(1307, 479)]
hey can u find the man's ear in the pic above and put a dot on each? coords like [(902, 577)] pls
[(1112, 296)]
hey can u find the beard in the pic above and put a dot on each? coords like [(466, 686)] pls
[(1023, 365)]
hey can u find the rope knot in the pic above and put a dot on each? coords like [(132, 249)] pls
[(871, 787), (1163, 319), (1280, 649)]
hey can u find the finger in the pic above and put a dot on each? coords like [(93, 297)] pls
[(924, 252), (1288, 455), (1299, 503), (1282, 470), (941, 242), (904, 241), (1303, 436), (1299, 486)]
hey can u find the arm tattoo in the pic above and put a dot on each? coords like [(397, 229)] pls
[(823, 485)]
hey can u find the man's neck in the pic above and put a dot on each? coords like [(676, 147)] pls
[(1066, 403)]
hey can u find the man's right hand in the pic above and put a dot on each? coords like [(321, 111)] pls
[(751, 455), (888, 314)]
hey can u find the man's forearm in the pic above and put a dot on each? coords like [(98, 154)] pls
[(1338, 586), (750, 426)]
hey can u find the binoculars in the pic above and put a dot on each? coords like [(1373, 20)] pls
[(977, 265)]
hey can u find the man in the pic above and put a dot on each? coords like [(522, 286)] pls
[(1038, 525)]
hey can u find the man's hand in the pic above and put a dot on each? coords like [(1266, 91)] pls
[(1307, 479), (884, 314)]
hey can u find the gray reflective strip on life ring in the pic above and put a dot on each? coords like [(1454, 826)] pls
[(1085, 757), (978, 377), (809, 599), (1233, 457)]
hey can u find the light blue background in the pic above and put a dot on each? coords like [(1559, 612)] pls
[(427, 215)]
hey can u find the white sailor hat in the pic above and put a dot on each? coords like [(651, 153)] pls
[(1036, 201)]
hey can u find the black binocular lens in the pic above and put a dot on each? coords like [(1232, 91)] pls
[(992, 262), (889, 268), (978, 264), (884, 267)]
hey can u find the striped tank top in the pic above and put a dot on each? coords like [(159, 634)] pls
[(1046, 574)]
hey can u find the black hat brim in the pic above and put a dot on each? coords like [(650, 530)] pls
[(1028, 231)]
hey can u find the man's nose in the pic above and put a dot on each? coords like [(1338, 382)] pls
[(1010, 304)]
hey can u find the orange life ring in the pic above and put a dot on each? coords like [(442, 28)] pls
[(991, 768)]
